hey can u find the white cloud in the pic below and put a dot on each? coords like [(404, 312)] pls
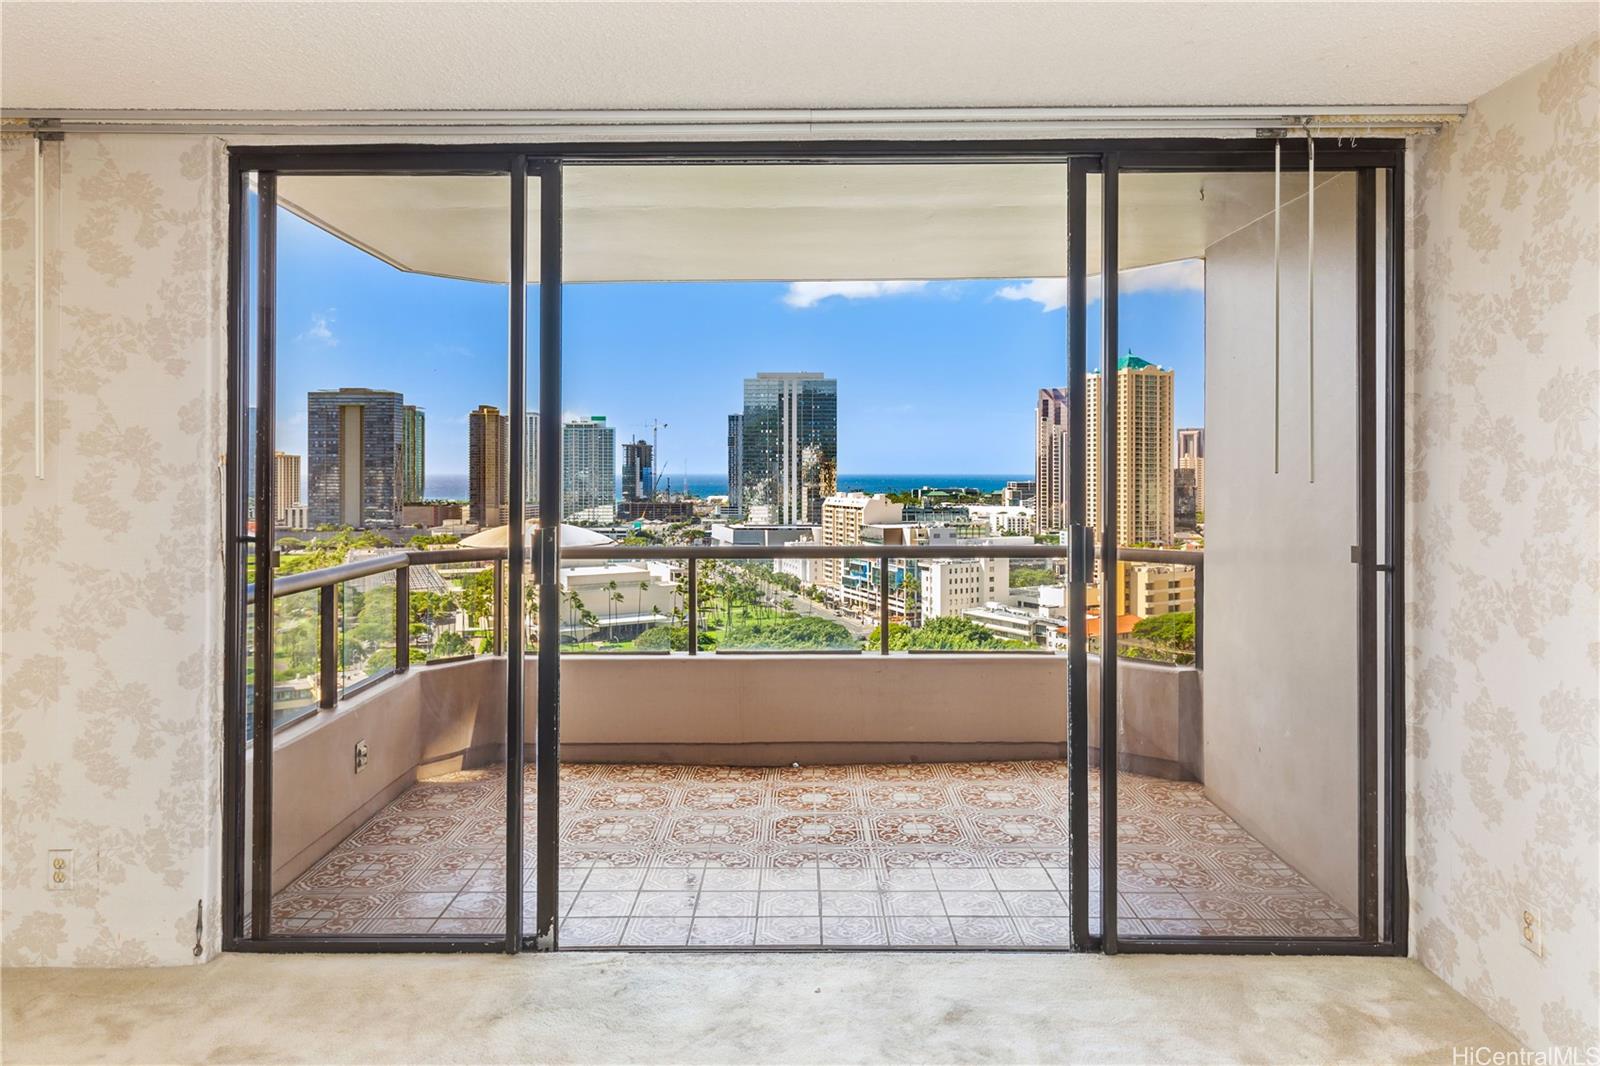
[(1049, 293), (1183, 275), (811, 293), (320, 330)]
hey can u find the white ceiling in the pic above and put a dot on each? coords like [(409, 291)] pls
[(542, 56), (876, 222)]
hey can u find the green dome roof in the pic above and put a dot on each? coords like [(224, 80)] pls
[(1133, 362)]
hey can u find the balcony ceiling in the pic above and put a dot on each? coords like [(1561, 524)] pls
[(305, 56), (783, 223)]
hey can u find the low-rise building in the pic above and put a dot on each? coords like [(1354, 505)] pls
[(765, 536), (844, 516), (1011, 623), (620, 598), (1149, 589), (1001, 519), (431, 514)]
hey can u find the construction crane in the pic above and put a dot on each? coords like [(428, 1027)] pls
[(656, 426)]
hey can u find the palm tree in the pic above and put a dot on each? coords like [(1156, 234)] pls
[(615, 598), (644, 586)]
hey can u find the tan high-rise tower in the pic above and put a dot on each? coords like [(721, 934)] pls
[(488, 476), (1145, 402), (285, 486), (1051, 455), (1192, 456)]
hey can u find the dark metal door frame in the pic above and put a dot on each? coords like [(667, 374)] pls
[(1383, 926)]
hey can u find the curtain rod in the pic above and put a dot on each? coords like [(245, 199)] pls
[(666, 124)]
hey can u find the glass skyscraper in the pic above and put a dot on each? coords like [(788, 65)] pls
[(790, 447), (354, 441), (588, 470), (413, 438)]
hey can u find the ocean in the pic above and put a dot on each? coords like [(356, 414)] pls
[(454, 486)]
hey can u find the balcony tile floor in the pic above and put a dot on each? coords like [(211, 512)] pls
[(963, 854)]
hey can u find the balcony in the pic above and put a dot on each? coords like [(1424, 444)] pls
[(754, 799)]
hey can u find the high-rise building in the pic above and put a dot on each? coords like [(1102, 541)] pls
[(1192, 456), (843, 517), (285, 488), (414, 448), (488, 465), (250, 464), (735, 463), (789, 446), (1145, 400), (638, 471), (588, 470), (354, 438), (1052, 461), (1019, 493), (530, 464), (1183, 499)]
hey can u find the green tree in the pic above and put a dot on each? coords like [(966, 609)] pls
[(788, 633), (1162, 637), (1024, 576), (477, 596), (946, 634), (450, 645)]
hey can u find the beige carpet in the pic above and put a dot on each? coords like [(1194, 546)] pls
[(799, 1008)]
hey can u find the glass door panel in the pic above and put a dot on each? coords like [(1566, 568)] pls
[(387, 370), (1234, 465)]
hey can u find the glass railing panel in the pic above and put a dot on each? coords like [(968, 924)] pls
[(438, 624), (974, 604), (296, 670), (366, 633), (751, 606), (624, 606)]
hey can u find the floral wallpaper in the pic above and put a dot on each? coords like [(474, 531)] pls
[(110, 583), (1504, 577)]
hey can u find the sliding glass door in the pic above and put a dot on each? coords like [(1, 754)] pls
[(1242, 369), (800, 704)]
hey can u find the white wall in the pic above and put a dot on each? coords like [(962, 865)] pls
[(1504, 582), (1280, 592), (112, 592)]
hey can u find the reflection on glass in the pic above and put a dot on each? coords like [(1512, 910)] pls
[(750, 605), (296, 640), (366, 629), (624, 605)]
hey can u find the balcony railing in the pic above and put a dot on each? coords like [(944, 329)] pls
[(338, 676)]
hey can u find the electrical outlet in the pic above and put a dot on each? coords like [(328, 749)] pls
[(361, 755), (60, 871), (1532, 930)]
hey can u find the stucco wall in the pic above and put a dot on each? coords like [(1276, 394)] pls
[(110, 573), (1504, 579), (1280, 591)]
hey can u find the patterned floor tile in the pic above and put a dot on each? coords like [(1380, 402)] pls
[(722, 932), (656, 930), (592, 932), (984, 931), (727, 904), (793, 930), (919, 930), (854, 929), (921, 853)]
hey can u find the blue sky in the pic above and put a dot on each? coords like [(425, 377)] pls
[(934, 377)]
